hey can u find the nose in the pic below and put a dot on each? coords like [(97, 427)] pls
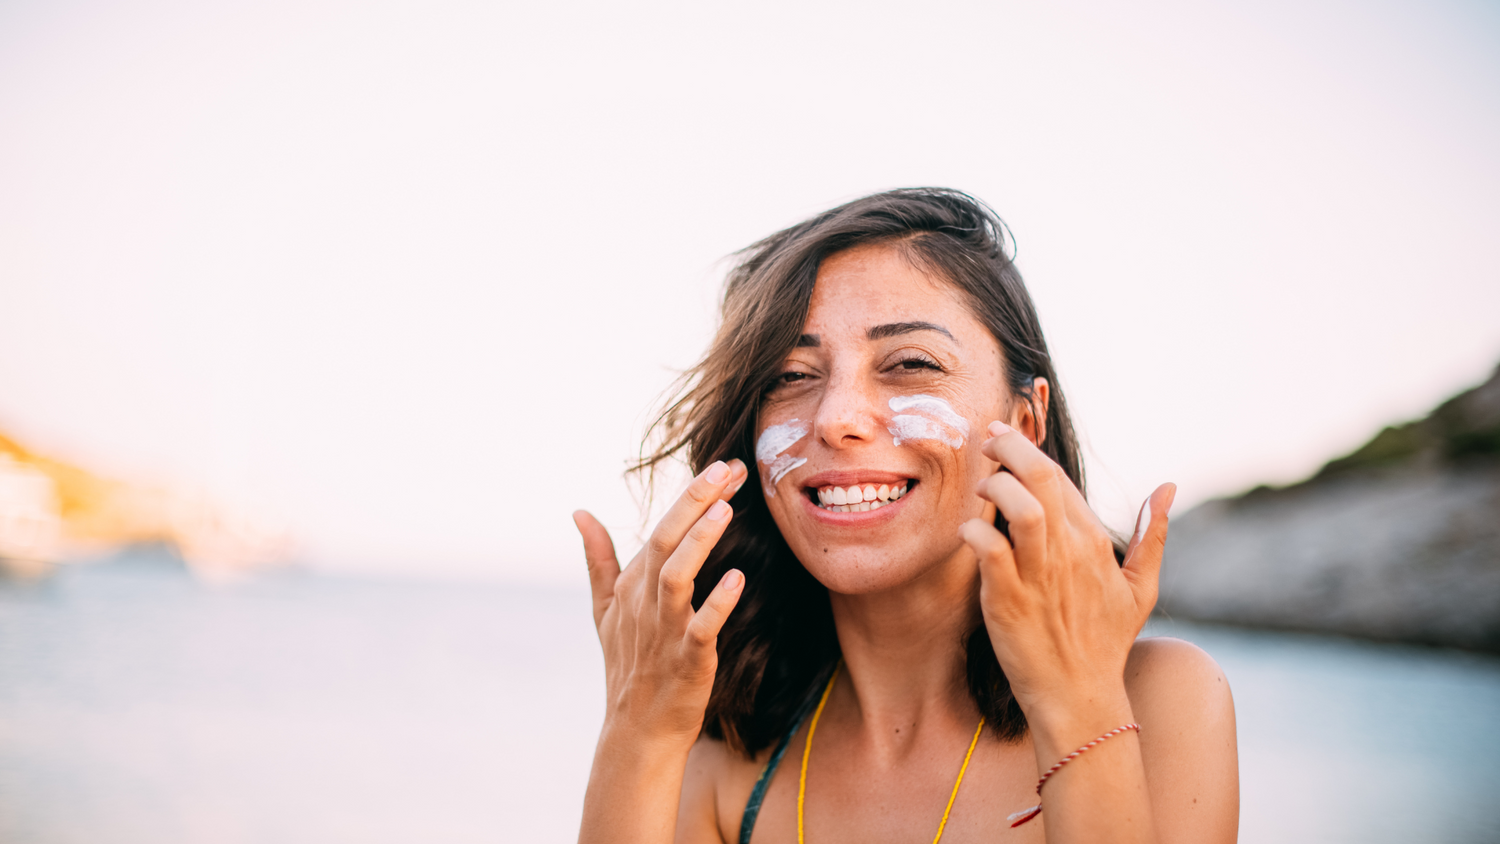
[(849, 412)]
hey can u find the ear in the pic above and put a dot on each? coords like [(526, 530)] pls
[(1031, 417)]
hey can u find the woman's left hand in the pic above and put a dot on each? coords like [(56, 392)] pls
[(1061, 613)]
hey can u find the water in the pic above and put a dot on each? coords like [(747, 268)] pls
[(139, 706)]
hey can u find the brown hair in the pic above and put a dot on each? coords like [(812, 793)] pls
[(779, 644)]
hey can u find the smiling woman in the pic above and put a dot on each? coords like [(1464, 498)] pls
[(912, 566)]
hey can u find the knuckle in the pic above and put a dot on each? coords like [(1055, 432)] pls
[(1101, 545), (698, 492), (675, 583), (1029, 518), (660, 546), (1050, 477), (704, 531), (699, 635)]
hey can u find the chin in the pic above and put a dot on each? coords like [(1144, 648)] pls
[(863, 572)]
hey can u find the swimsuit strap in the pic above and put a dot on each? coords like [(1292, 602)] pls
[(758, 794)]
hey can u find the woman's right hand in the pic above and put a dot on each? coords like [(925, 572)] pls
[(659, 655)]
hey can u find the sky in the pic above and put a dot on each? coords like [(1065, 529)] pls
[(410, 277)]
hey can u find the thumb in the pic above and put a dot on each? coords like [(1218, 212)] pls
[(1143, 556), (599, 553)]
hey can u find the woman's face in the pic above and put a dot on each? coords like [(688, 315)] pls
[(890, 388)]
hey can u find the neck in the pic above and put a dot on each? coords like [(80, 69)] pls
[(904, 650)]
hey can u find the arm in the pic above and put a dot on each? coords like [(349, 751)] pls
[(659, 658), (1063, 617), (1188, 743)]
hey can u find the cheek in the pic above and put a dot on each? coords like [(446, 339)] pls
[(921, 417), (771, 452)]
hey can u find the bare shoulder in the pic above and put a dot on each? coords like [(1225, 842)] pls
[(715, 787), (1182, 701), (1161, 663)]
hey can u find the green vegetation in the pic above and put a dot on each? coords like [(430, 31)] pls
[(1462, 430)]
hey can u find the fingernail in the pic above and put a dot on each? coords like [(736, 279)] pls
[(736, 490), (717, 473), (720, 511), (732, 579), (997, 428), (1143, 521)]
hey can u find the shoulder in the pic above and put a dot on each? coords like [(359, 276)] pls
[(715, 787), (1181, 665), (1181, 699), (1178, 682)]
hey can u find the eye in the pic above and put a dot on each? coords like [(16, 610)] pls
[(785, 379), (915, 362)]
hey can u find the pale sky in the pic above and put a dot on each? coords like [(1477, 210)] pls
[(410, 275)]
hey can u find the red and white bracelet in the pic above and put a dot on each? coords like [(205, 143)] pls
[(1026, 815)]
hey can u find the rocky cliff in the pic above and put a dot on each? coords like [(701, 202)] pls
[(1399, 540)]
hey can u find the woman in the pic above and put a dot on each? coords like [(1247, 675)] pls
[(883, 609)]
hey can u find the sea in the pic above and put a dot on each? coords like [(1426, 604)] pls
[(139, 705)]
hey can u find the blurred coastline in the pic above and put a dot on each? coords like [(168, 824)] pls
[(53, 513), (1398, 541)]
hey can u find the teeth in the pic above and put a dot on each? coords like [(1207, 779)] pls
[(859, 499)]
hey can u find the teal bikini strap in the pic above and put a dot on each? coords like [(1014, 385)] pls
[(758, 794)]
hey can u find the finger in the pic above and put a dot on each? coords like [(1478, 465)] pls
[(1143, 556), (701, 493), (1038, 472), (737, 475), (675, 583), (997, 560), (1021, 509), (599, 553), (703, 630)]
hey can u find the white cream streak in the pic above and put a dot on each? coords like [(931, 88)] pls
[(768, 451), (937, 422), (1145, 521)]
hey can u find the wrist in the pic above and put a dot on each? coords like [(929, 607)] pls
[(1061, 724), (632, 738)]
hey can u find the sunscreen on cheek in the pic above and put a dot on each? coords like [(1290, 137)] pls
[(768, 452), (926, 418)]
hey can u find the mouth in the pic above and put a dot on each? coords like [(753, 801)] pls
[(858, 498)]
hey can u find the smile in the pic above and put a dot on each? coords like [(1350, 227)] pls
[(858, 498)]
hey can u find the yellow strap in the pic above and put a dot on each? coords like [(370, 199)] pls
[(807, 748), (807, 751), (973, 741)]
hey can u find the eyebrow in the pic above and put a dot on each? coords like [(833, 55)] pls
[(880, 332), (893, 329)]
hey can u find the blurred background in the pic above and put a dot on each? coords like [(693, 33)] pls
[(317, 320)]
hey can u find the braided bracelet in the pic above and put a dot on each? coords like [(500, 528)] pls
[(1028, 814)]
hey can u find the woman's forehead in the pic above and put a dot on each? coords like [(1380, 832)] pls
[(868, 288)]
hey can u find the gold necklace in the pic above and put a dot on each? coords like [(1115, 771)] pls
[(807, 751)]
